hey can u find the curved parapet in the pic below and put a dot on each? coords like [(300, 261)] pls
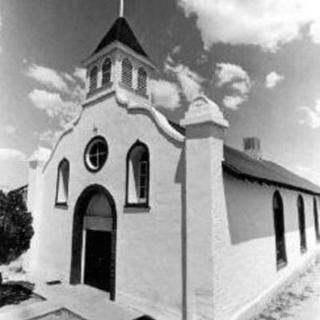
[(161, 121), (69, 128)]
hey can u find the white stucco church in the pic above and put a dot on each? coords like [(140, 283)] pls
[(162, 216)]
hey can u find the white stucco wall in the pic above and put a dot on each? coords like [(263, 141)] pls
[(149, 271), (248, 265), (148, 266)]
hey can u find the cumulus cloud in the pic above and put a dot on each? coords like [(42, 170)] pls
[(165, 94), (311, 115), (189, 81), (80, 74), (184, 83), (273, 79), (315, 31), (242, 87), (55, 107), (233, 102), (268, 24), (59, 95), (228, 72), (9, 129), (41, 154), (11, 154), (48, 77), (234, 79)]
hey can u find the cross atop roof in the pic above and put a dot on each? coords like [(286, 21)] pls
[(121, 13)]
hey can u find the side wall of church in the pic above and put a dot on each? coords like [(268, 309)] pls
[(248, 267), (148, 256)]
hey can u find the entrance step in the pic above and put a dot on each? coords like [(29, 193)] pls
[(87, 302)]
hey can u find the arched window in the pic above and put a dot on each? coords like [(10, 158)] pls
[(142, 81), (279, 229), (63, 182), (138, 168), (302, 225), (127, 72), (316, 219), (106, 71), (93, 79)]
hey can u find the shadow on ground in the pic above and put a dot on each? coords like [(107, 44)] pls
[(15, 292)]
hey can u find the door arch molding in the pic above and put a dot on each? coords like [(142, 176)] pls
[(77, 235)]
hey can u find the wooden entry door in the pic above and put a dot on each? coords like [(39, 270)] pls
[(98, 259)]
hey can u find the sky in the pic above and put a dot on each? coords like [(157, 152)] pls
[(258, 60)]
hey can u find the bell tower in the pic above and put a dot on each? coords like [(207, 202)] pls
[(119, 63)]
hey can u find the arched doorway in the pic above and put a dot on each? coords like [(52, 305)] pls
[(93, 259)]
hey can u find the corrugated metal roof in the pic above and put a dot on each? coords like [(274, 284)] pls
[(121, 31)]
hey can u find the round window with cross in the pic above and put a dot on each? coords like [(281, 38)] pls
[(96, 154)]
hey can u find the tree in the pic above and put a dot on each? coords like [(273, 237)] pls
[(16, 228)]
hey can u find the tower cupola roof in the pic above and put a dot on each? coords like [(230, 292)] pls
[(122, 32)]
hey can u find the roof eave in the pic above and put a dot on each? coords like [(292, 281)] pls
[(111, 48), (244, 176)]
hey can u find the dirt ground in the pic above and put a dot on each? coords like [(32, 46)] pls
[(300, 300)]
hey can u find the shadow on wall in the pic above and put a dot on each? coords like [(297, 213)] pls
[(250, 210), (181, 179)]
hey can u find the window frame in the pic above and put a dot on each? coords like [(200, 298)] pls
[(129, 74), (87, 150), (91, 87), (59, 203), (302, 224), (278, 220), (105, 71), (142, 81), (316, 219), (145, 204)]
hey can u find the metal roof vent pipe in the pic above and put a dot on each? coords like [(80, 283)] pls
[(252, 147)]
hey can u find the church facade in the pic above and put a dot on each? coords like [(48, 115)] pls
[(164, 217)]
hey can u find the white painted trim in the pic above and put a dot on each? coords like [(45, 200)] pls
[(101, 95), (83, 254), (158, 117)]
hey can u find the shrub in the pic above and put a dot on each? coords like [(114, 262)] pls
[(15, 227)]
